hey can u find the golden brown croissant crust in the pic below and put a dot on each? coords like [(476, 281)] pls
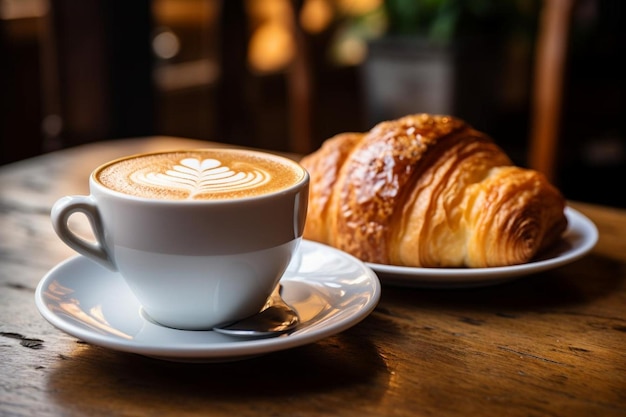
[(429, 191)]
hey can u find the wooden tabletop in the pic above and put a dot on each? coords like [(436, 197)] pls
[(549, 344)]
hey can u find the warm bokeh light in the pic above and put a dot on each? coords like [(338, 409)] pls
[(358, 7), (272, 44), (260, 10), (271, 47), (349, 50), (316, 15), (184, 12), (166, 44), (351, 37)]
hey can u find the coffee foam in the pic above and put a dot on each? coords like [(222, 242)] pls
[(199, 174)]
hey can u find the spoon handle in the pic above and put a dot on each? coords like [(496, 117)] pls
[(275, 318)]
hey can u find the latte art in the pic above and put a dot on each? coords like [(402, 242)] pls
[(202, 176)]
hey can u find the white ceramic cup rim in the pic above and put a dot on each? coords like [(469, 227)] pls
[(303, 180)]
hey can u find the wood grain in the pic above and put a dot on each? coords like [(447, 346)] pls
[(550, 344)]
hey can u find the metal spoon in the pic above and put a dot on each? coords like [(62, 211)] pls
[(275, 318)]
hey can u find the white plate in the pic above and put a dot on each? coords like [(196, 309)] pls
[(330, 289), (579, 238)]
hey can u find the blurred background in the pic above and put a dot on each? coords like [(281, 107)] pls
[(287, 74)]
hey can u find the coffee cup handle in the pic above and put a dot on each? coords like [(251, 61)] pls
[(60, 214)]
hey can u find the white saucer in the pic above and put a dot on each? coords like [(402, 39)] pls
[(330, 289), (579, 238)]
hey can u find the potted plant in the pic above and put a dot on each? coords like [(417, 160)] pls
[(440, 56)]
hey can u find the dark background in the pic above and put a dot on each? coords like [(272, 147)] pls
[(77, 72)]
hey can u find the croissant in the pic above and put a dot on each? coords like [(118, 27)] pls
[(429, 191)]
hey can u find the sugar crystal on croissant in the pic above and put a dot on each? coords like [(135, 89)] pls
[(429, 191)]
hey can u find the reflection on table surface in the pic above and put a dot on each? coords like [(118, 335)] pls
[(551, 343)]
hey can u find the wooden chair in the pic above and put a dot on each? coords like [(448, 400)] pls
[(547, 92)]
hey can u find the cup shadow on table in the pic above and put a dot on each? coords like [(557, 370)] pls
[(347, 362)]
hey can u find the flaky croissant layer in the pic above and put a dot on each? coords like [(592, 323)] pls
[(429, 191)]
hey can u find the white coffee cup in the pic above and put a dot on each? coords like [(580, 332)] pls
[(201, 236)]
